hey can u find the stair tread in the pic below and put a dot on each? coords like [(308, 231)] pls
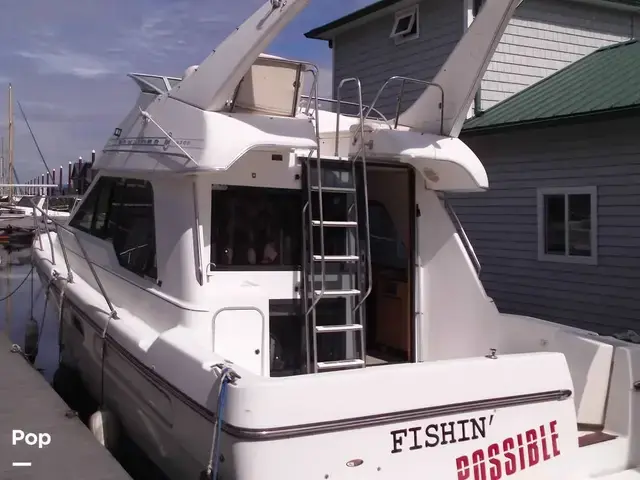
[(337, 258), (334, 223), (338, 293), (338, 328), (356, 362), (315, 188)]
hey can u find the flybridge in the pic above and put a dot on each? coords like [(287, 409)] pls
[(156, 84)]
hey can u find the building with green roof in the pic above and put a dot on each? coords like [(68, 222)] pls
[(558, 232), (556, 122), (606, 82), (542, 37)]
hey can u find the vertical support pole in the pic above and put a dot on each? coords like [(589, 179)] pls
[(79, 177)]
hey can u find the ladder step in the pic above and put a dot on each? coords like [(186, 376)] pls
[(338, 328), (337, 293), (336, 258), (315, 188), (334, 223), (356, 362)]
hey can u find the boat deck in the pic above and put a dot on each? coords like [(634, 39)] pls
[(28, 403)]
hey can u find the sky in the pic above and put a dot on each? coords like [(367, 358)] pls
[(67, 61)]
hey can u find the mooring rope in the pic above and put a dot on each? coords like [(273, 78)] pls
[(227, 375), (44, 311), (18, 287)]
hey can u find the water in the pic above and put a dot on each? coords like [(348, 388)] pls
[(15, 314)]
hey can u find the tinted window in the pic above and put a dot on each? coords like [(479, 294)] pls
[(90, 215), (121, 211), (256, 227), (387, 248), (26, 201), (567, 224), (61, 204)]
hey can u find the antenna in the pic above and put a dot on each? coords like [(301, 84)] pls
[(10, 169), (34, 140)]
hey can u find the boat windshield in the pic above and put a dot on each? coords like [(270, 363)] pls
[(26, 201), (61, 204)]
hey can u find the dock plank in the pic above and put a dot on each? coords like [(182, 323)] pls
[(29, 403)]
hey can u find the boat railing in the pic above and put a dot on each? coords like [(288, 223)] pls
[(463, 235), (404, 81), (334, 102), (46, 219), (366, 112)]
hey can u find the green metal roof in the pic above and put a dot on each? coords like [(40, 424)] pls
[(605, 81), (320, 32)]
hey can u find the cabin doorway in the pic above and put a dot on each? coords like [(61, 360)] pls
[(390, 306), (388, 312)]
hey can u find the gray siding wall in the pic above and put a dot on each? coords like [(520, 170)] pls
[(546, 35), (368, 53), (502, 223), (542, 37)]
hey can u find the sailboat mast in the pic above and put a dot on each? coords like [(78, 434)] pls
[(3, 167), (10, 166)]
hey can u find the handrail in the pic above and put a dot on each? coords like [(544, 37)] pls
[(112, 311), (36, 227), (35, 220), (361, 152), (196, 234), (410, 80), (465, 240), (345, 102)]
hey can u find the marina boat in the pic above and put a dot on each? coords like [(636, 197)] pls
[(54, 206), (260, 289)]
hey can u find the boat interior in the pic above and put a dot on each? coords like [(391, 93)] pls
[(261, 229)]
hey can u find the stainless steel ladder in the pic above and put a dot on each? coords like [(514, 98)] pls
[(360, 276)]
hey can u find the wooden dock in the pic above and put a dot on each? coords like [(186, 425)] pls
[(51, 443)]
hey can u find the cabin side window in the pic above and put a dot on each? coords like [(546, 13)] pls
[(256, 228), (120, 211)]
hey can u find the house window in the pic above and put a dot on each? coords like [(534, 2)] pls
[(256, 228), (567, 225), (120, 210), (406, 25)]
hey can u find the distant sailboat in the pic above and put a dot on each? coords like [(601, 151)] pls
[(17, 202)]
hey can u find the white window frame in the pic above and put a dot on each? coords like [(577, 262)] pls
[(566, 258), (401, 36)]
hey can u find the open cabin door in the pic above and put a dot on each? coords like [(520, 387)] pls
[(358, 264)]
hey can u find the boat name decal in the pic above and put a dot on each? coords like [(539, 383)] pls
[(511, 455), (154, 141), (435, 434)]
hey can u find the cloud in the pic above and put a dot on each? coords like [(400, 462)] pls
[(68, 61)]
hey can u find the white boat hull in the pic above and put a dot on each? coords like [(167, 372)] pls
[(176, 432), (170, 428)]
